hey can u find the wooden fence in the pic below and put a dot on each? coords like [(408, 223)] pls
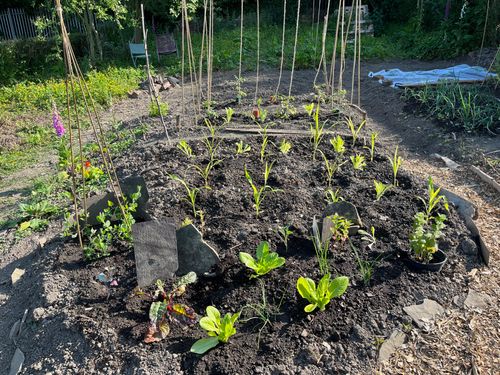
[(17, 24)]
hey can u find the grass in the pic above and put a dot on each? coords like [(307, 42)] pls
[(472, 108)]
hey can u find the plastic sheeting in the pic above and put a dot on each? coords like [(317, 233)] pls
[(464, 72)]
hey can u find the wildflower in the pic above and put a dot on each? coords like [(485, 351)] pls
[(87, 164), (256, 112), (57, 123)]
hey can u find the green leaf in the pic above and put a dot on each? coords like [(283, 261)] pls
[(306, 287), (338, 286), (213, 313), (262, 249), (310, 308), (208, 324), (24, 225), (248, 260), (203, 345)]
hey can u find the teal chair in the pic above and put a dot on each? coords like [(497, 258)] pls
[(137, 51)]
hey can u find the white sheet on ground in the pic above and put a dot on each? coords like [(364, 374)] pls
[(462, 72)]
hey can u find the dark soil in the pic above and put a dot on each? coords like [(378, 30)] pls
[(343, 337)]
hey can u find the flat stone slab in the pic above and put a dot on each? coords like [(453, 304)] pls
[(424, 314), (155, 250), (390, 345), (194, 253), (97, 203), (17, 362), (476, 300)]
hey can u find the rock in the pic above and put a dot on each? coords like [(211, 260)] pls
[(447, 161), (38, 313), (424, 314), (174, 81), (304, 333), (165, 86), (468, 247), (14, 330), (97, 203), (16, 275), (194, 253), (134, 94), (346, 210), (476, 300), (359, 334), (17, 362), (390, 345), (155, 250), (464, 207), (327, 346)]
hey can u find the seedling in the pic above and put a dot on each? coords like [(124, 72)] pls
[(185, 148), (219, 329), (373, 138), (320, 296), (166, 310), (285, 146), (321, 248), (155, 111), (330, 167), (368, 237), (309, 109), (338, 145), (395, 163), (240, 93), (316, 130), (358, 162), (355, 130), (339, 227), (204, 172), (265, 260), (284, 232), (242, 148), (333, 196), (380, 188), (365, 267), (191, 192), (260, 193), (433, 200), (229, 115)]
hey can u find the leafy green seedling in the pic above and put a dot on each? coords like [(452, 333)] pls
[(333, 196), (266, 261), (338, 144), (358, 162), (320, 296), (260, 193), (285, 232), (285, 147), (380, 188), (191, 192), (309, 109), (355, 130), (433, 200), (396, 162), (219, 329), (316, 130), (373, 138), (185, 148), (229, 115), (242, 148), (204, 172)]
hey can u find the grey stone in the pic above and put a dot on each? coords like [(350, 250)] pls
[(16, 275), (16, 364), (346, 210), (390, 345), (174, 81), (194, 253), (424, 314), (476, 300), (468, 247), (464, 207), (359, 334), (155, 249), (97, 203), (38, 313)]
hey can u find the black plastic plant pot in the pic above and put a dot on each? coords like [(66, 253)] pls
[(437, 262)]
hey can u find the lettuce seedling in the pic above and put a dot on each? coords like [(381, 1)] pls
[(242, 148), (219, 329), (320, 296), (266, 261), (380, 188), (358, 162), (285, 147), (229, 115)]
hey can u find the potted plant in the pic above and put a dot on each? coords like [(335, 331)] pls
[(427, 229)]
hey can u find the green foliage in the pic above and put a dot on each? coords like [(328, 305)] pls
[(355, 130), (373, 138), (316, 130), (285, 232), (259, 193), (320, 296), (205, 171), (338, 145), (433, 200), (265, 260), (321, 247), (185, 148), (365, 267), (473, 108), (339, 227), (191, 192), (396, 162), (358, 162), (154, 110), (380, 189), (218, 329), (229, 115), (285, 146), (242, 148), (333, 196)]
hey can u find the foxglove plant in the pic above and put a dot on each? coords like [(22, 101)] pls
[(57, 123)]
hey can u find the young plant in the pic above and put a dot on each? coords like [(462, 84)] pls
[(373, 138), (433, 200), (330, 167), (358, 162), (316, 130), (165, 309), (321, 247), (395, 163), (380, 188), (219, 329), (185, 148), (369, 238), (285, 146), (260, 193), (229, 115), (240, 93), (339, 228), (154, 111), (320, 296), (284, 232), (242, 148), (309, 109), (191, 193), (365, 267), (338, 145), (424, 235), (333, 196), (204, 172), (355, 130), (265, 260)]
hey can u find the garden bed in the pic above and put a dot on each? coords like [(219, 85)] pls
[(343, 338)]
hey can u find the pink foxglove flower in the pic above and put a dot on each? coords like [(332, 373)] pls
[(57, 123)]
